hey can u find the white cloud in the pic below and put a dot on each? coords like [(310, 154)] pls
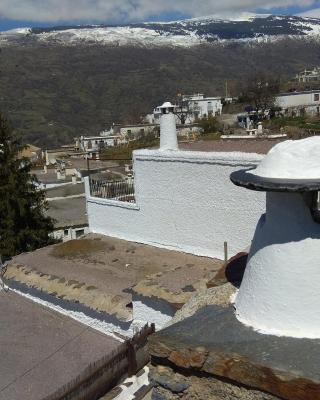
[(314, 13), (131, 10)]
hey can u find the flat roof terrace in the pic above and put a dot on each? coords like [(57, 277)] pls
[(259, 146), (41, 350), (99, 272)]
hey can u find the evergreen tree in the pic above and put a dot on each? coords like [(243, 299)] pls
[(23, 224)]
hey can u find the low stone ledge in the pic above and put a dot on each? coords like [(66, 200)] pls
[(171, 385), (215, 343)]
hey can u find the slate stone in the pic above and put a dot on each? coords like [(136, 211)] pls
[(214, 342), (168, 383), (254, 182)]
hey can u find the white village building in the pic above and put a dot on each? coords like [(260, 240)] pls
[(92, 145), (202, 107), (135, 131), (299, 103), (178, 199), (194, 106), (312, 75)]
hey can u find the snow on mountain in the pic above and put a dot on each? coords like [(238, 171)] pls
[(184, 33)]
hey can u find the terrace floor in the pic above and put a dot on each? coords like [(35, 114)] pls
[(42, 350), (99, 271), (260, 146)]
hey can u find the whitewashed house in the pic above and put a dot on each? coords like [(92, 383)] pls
[(299, 103), (181, 200), (92, 145), (312, 75), (194, 107), (135, 131), (203, 107)]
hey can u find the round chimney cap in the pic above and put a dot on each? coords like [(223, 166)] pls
[(290, 166), (167, 104)]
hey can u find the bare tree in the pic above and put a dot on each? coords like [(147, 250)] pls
[(182, 110), (261, 92)]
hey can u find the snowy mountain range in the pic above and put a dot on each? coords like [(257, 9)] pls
[(184, 33)]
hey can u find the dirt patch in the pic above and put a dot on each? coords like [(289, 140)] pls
[(80, 247)]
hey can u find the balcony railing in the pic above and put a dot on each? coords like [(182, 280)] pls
[(114, 190)]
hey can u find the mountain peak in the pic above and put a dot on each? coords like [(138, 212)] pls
[(246, 27)]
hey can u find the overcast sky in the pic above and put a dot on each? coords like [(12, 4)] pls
[(15, 13)]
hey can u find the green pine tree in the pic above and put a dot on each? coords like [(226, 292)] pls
[(23, 224)]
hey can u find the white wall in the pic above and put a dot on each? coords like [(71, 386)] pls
[(60, 234), (297, 99), (184, 201)]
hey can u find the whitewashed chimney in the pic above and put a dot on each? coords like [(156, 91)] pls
[(279, 293), (168, 131)]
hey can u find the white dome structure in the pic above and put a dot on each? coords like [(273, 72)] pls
[(280, 291), (292, 159)]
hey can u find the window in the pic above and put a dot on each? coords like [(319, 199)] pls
[(66, 232), (316, 97), (79, 233)]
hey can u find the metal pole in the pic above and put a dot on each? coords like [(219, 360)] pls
[(225, 253)]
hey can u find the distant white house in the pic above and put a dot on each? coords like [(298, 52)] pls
[(91, 145), (202, 106), (194, 107), (135, 131), (312, 75), (299, 103)]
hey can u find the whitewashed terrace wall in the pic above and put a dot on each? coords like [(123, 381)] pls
[(184, 201)]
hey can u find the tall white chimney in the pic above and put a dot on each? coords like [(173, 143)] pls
[(168, 131)]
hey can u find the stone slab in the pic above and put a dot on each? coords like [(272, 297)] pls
[(214, 342), (254, 182)]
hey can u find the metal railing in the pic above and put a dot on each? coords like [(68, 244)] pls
[(114, 190)]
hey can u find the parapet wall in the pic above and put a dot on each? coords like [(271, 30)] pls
[(184, 201)]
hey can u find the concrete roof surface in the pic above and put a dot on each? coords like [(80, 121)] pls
[(42, 350), (68, 212), (65, 190), (113, 266), (260, 146)]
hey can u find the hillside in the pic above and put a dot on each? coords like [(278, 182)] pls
[(53, 92)]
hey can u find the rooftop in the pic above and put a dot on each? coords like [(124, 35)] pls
[(43, 350), (29, 151), (65, 190), (260, 146), (298, 92), (109, 267), (68, 212)]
